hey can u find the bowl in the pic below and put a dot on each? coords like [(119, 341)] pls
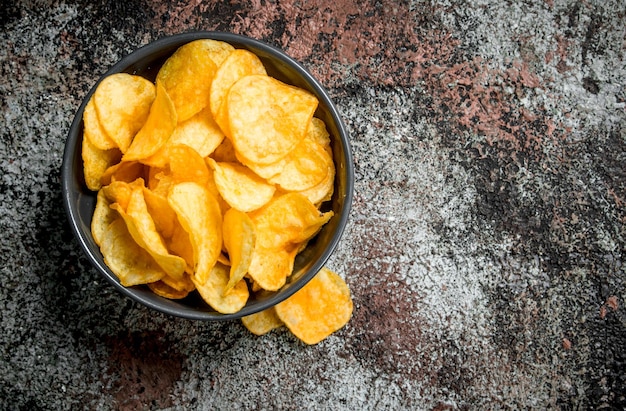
[(79, 202)]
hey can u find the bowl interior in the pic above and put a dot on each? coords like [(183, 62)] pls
[(80, 202)]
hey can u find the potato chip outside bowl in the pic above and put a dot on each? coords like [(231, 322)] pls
[(79, 202)]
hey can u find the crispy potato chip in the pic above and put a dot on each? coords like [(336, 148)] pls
[(267, 118), (182, 284), (262, 322), (239, 240), (200, 132), (238, 64), (308, 164), (199, 213), (123, 103), (270, 267), (143, 230), (157, 129), (240, 187), (212, 291), (102, 217), (96, 162), (186, 165), (126, 259), (127, 171), (287, 220), (318, 309), (119, 192), (93, 129), (162, 289), (323, 191), (317, 132), (166, 222), (187, 75)]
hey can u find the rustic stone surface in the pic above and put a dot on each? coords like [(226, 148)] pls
[(485, 250)]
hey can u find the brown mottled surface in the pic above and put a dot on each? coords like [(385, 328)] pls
[(485, 249)]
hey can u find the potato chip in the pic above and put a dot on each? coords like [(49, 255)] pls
[(127, 171), (166, 223), (200, 132), (286, 220), (187, 75), (103, 215), (182, 284), (126, 259), (212, 291), (143, 230), (216, 49), (323, 191), (239, 239), (123, 102), (308, 164), (157, 129), (199, 213), (270, 267), (186, 165), (119, 192), (162, 289), (317, 132), (318, 309), (267, 118), (238, 64), (96, 162), (240, 187), (93, 129), (262, 322)]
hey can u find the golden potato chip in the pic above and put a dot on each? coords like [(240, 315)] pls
[(240, 187), (96, 162), (239, 239), (270, 267), (308, 164), (286, 220), (323, 191), (127, 171), (199, 213), (318, 309), (119, 192), (162, 289), (200, 132), (238, 64), (126, 259), (93, 129), (318, 133), (157, 129), (103, 215), (143, 230), (166, 223), (212, 291), (267, 118), (187, 75), (186, 165), (122, 102), (262, 322), (182, 284)]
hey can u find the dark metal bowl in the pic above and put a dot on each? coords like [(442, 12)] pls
[(80, 202)]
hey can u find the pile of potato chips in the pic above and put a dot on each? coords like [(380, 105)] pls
[(211, 179)]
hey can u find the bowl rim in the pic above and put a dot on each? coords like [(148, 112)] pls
[(74, 142)]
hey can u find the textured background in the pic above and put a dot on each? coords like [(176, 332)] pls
[(486, 246)]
